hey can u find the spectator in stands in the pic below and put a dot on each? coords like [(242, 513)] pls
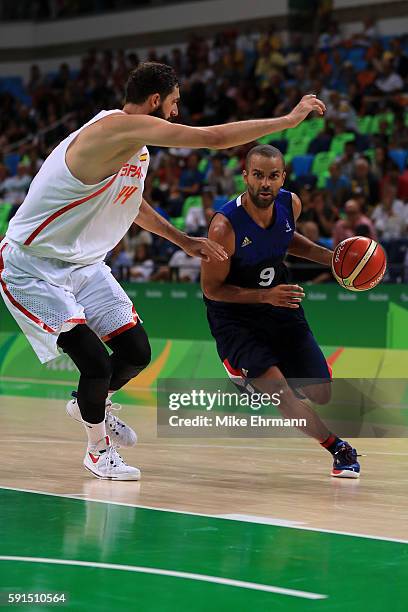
[(399, 58), (228, 78), (174, 201), (135, 236), (389, 81), (341, 112), (346, 228), (308, 272), (403, 186), (191, 178), (4, 172), (369, 34), (363, 178), (381, 162), (143, 265), (181, 267), (392, 177), (399, 136), (338, 185), (322, 141), (390, 217), (198, 217), (322, 213), (119, 261), (220, 179), (348, 159), (36, 80), (15, 187)]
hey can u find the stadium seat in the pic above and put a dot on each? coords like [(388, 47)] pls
[(297, 147), (370, 153), (203, 166), (191, 202), (320, 166), (240, 184), (377, 119), (5, 210), (355, 54), (338, 142), (12, 160), (15, 86), (297, 132), (301, 164), (399, 156), (178, 222), (233, 163), (364, 124), (275, 136), (314, 126), (219, 201)]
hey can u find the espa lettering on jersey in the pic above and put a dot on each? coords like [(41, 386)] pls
[(132, 171)]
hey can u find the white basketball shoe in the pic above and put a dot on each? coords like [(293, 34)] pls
[(104, 462), (120, 432)]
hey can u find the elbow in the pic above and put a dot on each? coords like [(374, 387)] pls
[(209, 292)]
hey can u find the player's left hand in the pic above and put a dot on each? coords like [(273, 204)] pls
[(205, 249)]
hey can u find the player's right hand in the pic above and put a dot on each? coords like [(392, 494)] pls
[(288, 296), (307, 104)]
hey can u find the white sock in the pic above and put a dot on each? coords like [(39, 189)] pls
[(95, 432)]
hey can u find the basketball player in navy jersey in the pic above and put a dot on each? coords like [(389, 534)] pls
[(255, 315)]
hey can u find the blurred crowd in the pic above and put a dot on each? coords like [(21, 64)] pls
[(349, 169), (62, 9)]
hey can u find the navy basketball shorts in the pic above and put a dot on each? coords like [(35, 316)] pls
[(249, 346)]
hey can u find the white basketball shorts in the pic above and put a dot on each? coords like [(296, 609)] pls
[(48, 296)]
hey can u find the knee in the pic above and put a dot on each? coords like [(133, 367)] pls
[(101, 367), (132, 347), (87, 352), (142, 355), (318, 394)]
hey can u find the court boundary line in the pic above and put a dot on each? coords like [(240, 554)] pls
[(254, 586), (212, 516)]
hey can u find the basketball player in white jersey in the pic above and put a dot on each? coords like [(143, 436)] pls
[(81, 203)]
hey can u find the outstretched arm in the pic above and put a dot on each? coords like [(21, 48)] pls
[(151, 221), (138, 130), (302, 246)]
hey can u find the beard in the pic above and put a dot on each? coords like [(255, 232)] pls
[(159, 113), (259, 201)]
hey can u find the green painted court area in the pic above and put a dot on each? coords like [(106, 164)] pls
[(109, 556)]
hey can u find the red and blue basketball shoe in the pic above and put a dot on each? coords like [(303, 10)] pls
[(345, 464)]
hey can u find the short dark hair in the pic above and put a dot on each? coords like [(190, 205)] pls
[(147, 79), (264, 151)]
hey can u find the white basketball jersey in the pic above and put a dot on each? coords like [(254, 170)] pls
[(65, 219)]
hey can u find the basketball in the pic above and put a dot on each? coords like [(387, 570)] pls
[(359, 263)]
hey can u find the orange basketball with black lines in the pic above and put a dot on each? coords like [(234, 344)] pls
[(359, 263)]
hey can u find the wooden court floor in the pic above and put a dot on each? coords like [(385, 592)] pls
[(213, 524)]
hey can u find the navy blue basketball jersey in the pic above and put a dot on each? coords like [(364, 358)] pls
[(254, 337), (258, 259)]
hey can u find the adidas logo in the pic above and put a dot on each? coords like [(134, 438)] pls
[(288, 228), (246, 241)]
